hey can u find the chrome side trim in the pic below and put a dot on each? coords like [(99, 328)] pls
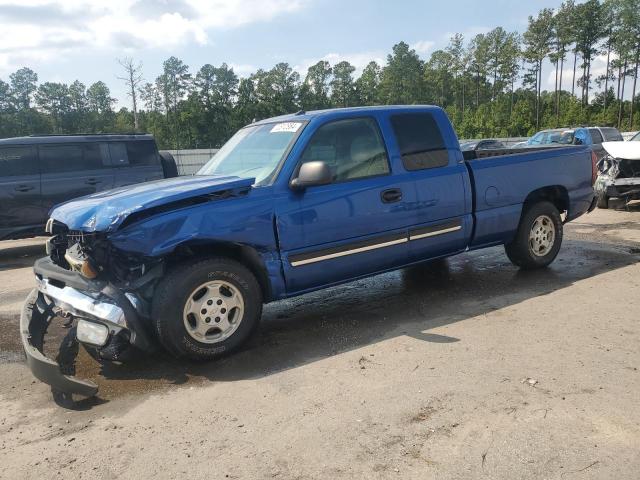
[(437, 232), (343, 253), (81, 304)]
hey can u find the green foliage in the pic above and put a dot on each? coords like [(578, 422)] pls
[(402, 80), (343, 91), (489, 85)]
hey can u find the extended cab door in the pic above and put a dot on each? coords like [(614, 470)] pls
[(136, 161), (73, 170), (20, 202), (353, 226), (442, 220)]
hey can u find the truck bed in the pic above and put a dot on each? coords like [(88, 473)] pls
[(503, 180)]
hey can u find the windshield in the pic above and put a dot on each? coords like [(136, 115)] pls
[(253, 152), (636, 138)]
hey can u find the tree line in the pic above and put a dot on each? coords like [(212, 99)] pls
[(490, 85)]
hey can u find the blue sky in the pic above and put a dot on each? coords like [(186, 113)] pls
[(64, 40)]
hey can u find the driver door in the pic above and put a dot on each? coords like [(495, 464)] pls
[(353, 226)]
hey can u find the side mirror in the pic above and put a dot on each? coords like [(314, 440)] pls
[(311, 174)]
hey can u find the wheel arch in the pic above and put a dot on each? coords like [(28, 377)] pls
[(556, 194), (244, 254)]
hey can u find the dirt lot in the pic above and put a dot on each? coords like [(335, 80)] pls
[(467, 368)]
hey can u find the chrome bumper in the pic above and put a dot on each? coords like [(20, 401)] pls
[(34, 320), (80, 304)]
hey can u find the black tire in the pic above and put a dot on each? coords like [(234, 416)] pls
[(521, 252), (603, 201), (169, 166), (173, 292)]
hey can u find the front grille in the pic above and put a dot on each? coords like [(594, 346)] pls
[(76, 236)]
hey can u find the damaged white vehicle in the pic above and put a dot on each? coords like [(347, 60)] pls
[(619, 173)]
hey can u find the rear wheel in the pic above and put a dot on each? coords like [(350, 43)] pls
[(603, 201), (539, 237), (207, 308)]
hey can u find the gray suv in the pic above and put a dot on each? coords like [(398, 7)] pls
[(38, 172)]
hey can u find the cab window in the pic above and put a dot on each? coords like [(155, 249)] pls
[(420, 141), (351, 148)]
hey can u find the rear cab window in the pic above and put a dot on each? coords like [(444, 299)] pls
[(420, 141), (596, 136), (611, 134), (18, 161)]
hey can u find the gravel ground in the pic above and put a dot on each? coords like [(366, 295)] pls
[(464, 368)]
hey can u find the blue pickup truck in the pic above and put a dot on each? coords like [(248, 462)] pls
[(289, 205)]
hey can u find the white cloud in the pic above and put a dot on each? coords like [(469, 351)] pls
[(423, 46), (468, 33), (243, 70), (598, 68), (358, 60), (37, 30)]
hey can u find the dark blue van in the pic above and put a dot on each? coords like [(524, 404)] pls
[(38, 172)]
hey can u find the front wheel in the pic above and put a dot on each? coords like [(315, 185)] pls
[(207, 308), (538, 239)]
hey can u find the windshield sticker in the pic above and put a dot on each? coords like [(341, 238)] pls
[(289, 127)]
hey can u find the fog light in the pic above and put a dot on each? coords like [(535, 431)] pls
[(93, 333)]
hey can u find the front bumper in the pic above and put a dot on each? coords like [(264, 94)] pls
[(61, 292), (34, 320), (628, 188)]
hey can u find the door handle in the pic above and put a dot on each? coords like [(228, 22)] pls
[(24, 188), (392, 195), (92, 181)]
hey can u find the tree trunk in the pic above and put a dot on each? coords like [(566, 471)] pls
[(575, 61), (135, 108), (584, 73), (511, 103), (560, 89), (587, 80), (606, 79), (538, 81), (463, 93), (495, 80), (478, 89), (633, 93), (621, 107), (619, 80), (556, 83)]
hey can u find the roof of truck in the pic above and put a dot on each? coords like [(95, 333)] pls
[(79, 138), (338, 112)]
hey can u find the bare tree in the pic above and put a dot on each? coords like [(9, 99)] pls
[(133, 78)]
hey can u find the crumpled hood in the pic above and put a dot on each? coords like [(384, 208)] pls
[(105, 211), (624, 150)]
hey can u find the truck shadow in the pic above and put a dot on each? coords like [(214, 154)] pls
[(409, 303)]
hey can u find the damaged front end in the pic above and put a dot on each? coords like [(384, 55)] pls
[(103, 294), (618, 178), (108, 252)]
